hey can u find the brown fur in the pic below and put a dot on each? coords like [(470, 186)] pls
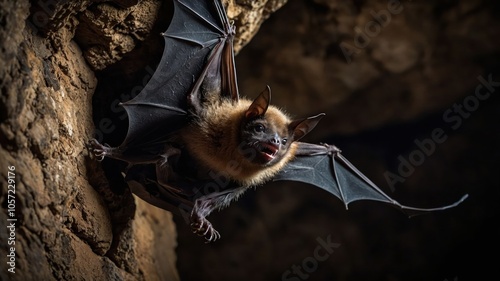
[(214, 139)]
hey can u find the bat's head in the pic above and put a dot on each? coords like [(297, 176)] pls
[(267, 133)]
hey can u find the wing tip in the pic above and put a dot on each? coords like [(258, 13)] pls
[(418, 211)]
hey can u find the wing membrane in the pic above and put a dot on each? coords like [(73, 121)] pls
[(323, 166)]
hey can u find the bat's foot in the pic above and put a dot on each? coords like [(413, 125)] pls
[(202, 227), (205, 205), (199, 223), (100, 150)]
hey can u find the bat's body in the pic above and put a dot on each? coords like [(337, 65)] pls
[(186, 135), (250, 142)]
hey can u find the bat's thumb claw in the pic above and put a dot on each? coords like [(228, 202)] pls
[(331, 148)]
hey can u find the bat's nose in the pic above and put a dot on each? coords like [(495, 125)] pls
[(276, 140)]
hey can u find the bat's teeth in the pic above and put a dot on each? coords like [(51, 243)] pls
[(267, 150), (270, 149)]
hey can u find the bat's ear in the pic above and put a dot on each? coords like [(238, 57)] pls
[(302, 127), (259, 105)]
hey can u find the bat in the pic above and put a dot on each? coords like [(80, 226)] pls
[(194, 145)]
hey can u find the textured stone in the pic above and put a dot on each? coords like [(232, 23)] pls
[(108, 32), (67, 228)]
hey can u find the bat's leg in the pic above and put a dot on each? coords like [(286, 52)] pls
[(154, 196), (203, 206)]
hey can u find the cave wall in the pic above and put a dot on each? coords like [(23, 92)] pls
[(67, 225)]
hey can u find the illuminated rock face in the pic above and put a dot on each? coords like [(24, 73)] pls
[(68, 224)]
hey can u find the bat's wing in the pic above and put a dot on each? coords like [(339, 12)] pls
[(198, 45), (324, 167)]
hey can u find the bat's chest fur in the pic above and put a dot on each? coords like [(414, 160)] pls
[(214, 140)]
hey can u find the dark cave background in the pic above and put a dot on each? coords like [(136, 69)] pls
[(393, 91)]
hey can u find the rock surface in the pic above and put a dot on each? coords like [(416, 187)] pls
[(66, 224)]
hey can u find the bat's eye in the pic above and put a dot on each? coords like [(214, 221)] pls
[(284, 141), (259, 128)]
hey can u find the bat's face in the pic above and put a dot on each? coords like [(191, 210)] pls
[(267, 132), (265, 140)]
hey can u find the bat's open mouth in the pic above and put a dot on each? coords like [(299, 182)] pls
[(267, 151)]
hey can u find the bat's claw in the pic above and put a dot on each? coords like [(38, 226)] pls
[(202, 227), (332, 149), (99, 150), (165, 156)]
